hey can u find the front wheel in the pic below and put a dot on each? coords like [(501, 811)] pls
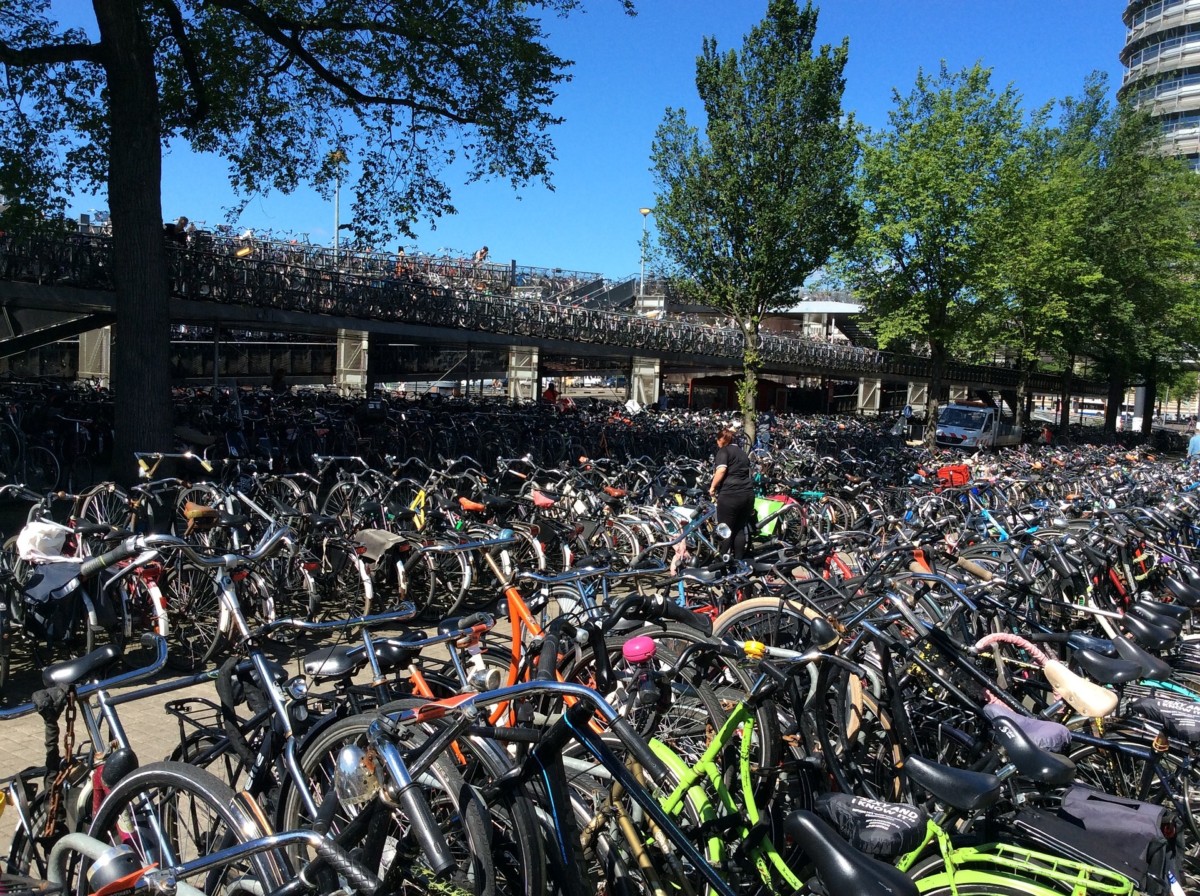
[(172, 812)]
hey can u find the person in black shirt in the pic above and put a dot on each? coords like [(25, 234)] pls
[(733, 491)]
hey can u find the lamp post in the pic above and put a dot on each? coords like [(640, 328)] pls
[(337, 158), (645, 212)]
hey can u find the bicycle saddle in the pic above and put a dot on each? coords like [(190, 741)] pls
[(1162, 620), (1080, 641), (330, 663), (1032, 762), (884, 830), (957, 787), (70, 672), (1168, 611), (1149, 635), (1107, 669), (841, 867), (1184, 592), (1152, 666)]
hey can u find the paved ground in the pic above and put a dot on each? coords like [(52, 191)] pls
[(152, 732)]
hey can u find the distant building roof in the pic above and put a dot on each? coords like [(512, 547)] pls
[(822, 306)]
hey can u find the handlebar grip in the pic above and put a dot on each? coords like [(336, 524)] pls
[(93, 565), (636, 744), (683, 615), (360, 879), (428, 832), (473, 619), (548, 657), (974, 569)]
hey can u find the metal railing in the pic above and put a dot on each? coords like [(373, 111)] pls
[(215, 272)]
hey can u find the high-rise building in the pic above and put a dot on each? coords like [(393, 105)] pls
[(1162, 69)]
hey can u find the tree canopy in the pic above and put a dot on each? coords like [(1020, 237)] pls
[(751, 206), (407, 88), (930, 188)]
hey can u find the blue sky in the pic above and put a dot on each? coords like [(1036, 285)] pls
[(629, 70)]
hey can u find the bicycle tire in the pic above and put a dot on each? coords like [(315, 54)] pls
[(41, 469), (453, 803), (193, 609), (169, 788), (698, 697)]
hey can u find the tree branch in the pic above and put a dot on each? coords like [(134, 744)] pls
[(271, 29), (200, 106), (49, 54)]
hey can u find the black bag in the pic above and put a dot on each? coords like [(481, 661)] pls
[(1131, 831), (53, 599)]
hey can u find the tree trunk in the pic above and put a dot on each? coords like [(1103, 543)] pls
[(937, 368), (1116, 396), (1024, 392), (748, 388), (1151, 402), (142, 335), (1064, 412)]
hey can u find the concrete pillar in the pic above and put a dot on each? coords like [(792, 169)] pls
[(352, 354), (870, 391), (960, 393), (523, 373), (918, 397), (644, 380), (95, 356)]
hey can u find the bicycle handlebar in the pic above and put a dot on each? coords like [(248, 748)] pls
[(404, 612), (117, 681), (269, 543)]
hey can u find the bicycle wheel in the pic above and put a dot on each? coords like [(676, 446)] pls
[(395, 857), (343, 503), (193, 611), (41, 469), (436, 583), (171, 812), (698, 699)]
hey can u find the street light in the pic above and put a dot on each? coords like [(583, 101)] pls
[(337, 158), (645, 212)]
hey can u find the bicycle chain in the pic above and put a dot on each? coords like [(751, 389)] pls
[(60, 779)]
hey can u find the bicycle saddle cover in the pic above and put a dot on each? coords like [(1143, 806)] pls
[(1149, 609), (376, 542), (1179, 719), (1148, 613), (841, 868), (884, 830), (958, 787), (1044, 733)]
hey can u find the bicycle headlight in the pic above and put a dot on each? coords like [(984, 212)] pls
[(297, 688), (354, 779)]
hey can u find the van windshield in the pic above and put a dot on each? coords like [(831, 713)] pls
[(962, 418)]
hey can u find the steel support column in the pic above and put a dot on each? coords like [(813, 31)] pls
[(95, 355), (352, 357), (870, 392), (523, 373)]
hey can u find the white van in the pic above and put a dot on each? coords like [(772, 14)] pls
[(973, 424)]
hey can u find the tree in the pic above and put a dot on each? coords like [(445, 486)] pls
[(1143, 236), (1036, 270), (930, 188), (748, 211), (405, 88)]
